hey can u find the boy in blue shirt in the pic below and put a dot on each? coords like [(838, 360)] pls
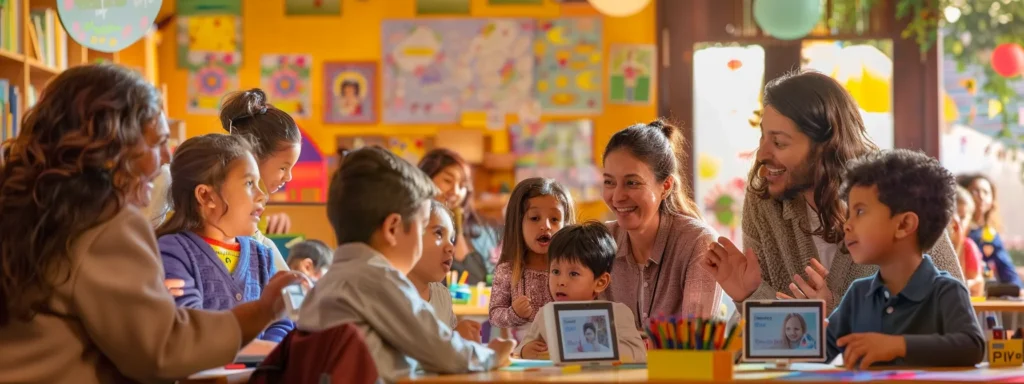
[(909, 313)]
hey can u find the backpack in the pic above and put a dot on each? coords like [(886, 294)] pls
[(336, 355)]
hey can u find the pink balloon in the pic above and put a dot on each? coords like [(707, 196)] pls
[(1008, 59)]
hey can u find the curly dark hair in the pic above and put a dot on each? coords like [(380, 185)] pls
[(69, 170), (824, 111), (908, 181)]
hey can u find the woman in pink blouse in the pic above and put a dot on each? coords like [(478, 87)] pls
[(659, 231)]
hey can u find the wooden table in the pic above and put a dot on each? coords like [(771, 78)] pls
[(998, 306), (636, 376), (469, 310)]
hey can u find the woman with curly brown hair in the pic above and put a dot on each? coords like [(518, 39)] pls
[(82, 298), (792, 215)]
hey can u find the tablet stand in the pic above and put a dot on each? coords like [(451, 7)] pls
[(781, 364)]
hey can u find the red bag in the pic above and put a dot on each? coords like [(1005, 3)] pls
[(333, 356)]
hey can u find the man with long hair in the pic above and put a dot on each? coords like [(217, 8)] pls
[(793, 217)]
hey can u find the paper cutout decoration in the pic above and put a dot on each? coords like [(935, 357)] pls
[(560, 150), (312, 7), (209, 26), (309, 175), (285, 78), (569, 65), (631, 72), (435, 69), (107, 26), (350, 92), (442, 7), (210, 77)]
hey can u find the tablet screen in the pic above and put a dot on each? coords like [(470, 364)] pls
[(789, 330), (294, 295), (586, 332)]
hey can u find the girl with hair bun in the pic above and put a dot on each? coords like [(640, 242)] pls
[(658, 227)]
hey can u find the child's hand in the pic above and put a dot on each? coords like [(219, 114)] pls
[(535, 350), (522, 308), (175, 287), (469, 330), (502, 351), (870, 348), (271, 297)]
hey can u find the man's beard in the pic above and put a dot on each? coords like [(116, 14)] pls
[(800, 180)]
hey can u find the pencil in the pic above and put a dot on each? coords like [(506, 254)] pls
[(731, 337), (464, 277), (684, 334), (673, 340)]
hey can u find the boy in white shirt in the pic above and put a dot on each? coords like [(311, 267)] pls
[(579, 269), (379, 205)]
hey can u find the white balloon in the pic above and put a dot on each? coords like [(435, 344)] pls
[(619, 8)]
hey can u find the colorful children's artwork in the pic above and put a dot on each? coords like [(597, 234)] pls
[(285, 78), (434, 69), (210, 77), (569, 65), (107, 26), (309, 176), (312, 7), (408, 147), (208, 7), (442, 7), (350, 92), (631, 71), (220, 33), (560, 150)]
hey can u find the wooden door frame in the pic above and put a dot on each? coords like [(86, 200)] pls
[(917, 102)]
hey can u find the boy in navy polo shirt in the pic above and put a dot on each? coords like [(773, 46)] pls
[(909, 313)]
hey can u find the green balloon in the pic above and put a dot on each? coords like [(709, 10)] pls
[(787, 19)]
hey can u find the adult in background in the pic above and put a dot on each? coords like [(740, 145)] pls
[(658, 228), (477, 242), (792, 214)]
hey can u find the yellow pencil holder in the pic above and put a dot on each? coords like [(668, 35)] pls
[(667, 364), (1006, 353)]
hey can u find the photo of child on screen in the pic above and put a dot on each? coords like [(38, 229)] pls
[(794, 333), (591, 343)]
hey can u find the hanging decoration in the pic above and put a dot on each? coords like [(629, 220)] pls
[(787, 19), (1008, 59), (107, 26), (619, 8)]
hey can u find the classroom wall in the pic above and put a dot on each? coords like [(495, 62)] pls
[(355, 35)]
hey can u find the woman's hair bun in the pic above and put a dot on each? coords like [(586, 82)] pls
[(666, 128)]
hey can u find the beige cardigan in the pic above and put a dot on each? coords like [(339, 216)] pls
[(772, 229), (114, 321)]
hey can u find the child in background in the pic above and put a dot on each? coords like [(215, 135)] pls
[(985, 229), (909, 313), (966, 249), (580, 262), (379, 206), (311, 257), (537, 209), (438, 255), (207, 242)]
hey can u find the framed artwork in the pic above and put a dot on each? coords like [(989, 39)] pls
[(631, 72), (350, 92)]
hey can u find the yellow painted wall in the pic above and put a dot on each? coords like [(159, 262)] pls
[(355, 35)]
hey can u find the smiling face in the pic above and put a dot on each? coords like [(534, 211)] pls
[(783, 155), (152, 153), (981, 190), (870, 226), (452, 181), (631, 191), (438, 249), (590, 335), (236, 207), (544, 216), (573, 281), (276, 170), (794, 330)]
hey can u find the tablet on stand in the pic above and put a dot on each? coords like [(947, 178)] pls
[(782, 332), (583, 333)]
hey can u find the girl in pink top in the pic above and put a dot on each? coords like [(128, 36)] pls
[(658, 228), (537, 209)]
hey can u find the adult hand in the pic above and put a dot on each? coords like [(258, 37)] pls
[(870, 348), (272, 299), (469, 330), (502, 351), (175, 287), (814, 288), (521, 306), (535, 350), (279, 224), (737, 272)]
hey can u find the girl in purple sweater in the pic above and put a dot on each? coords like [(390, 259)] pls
[(207, 241)]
